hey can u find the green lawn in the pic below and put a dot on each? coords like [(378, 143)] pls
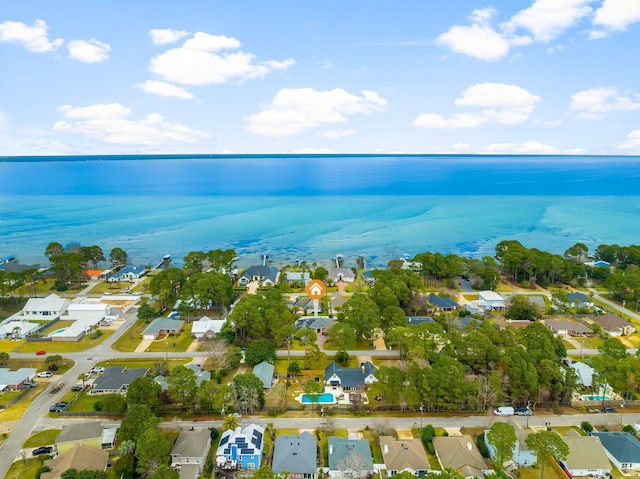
[(42, 438), (17, 410), (25, 469), (7, 345), (374, 445), (143, 362), (129, 341), (61, 347), (172, 343)]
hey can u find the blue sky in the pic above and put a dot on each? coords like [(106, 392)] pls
[(255, 76)]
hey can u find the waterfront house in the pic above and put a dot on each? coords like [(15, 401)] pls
[(461, 453), (264, 371), (586, 456), (349, 458), (350, 379), (48, 308), (267, 275), (128, 273), (80, 458), (341, 274), (296, 454), (116, 380), (298, 277), (622, 449), (402, 455), (241, 447), (522, 454), (189, 452), (162, 326)]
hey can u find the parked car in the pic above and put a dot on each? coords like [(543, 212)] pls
[(58, 407), (42, 450), (523, 411), (30, 384), (45, 374), (97, 369), (42, 352), (608, 409), (77, 387)]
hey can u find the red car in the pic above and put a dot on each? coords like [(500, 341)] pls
[(42, 352)]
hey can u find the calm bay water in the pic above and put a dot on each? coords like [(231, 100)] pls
[(312, 208)]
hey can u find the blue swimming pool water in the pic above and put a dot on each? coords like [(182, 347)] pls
[(595, 398), (59, 331), (326, 398)]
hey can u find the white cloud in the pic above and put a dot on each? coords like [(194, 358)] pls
[(34, 37), (526, 148), (338, 134), (500, 103), (313, 151), (548, 19), (461, 146), (92, 51), (616, 15), (479, 40), (198, 62), (325, 65), (632, 144), (547, 123), (590, 104), (161, 88), (294, 111), (162, 36), (109, 123)]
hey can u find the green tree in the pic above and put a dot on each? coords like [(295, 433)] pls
[(293, 369), (265, 472), (586, 427), (502, 436), (342, 336), (138, 419), (113, 403), (547, 445), (446, 473), (248, 392), (614, 348), (53, 361), (146, 312), (166, 286), (230, 422), (362, 314), (143, 390), (258, 351), (521, 309), (92, 254), (165, 472), (182, 384), (152, 450), (4, 357), (118, 258)]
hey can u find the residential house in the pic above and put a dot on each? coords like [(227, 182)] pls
[(368, 277), (349, 458), (13, 380), (622, 449), (598, 263), (404, 455), (241, 447), (189, 452), (586, 456), (443, 303), (128, 273), (522, 454), (267, 275), (612, 324), (162, 326), (108, 439), (298, 277), (320, 324), (206, 328), (579, 300), (88, 433), (296, 454), (92, 312), (17, 329), (419, 320), (116, 379), (264, 371), (513, 323), (200, 374), (350, 379), (583, 371), (306, 305), (461, 453), (49, 308), (492, 301), (341, 274), (336, 301), (567, 327), (79, 457)]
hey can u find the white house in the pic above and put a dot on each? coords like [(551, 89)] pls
[(586, 456), (189, 453), (49, 308), (622, 449), (128, 273), (206, 328), (492, 301), (522, 455)]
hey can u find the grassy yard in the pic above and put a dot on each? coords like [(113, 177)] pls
[(61, 347), (17, 410), (102, 287), (534, 473), (42, 438), (25, 469), (143, 362), (8, 345), (172, 343), (374, 444), (129, 341)]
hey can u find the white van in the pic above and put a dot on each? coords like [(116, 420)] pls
[(504, 411)]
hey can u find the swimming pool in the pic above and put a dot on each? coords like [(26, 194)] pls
[(326, 398), (59, 331), (591, 397)]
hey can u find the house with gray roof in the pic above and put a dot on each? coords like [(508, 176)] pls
[(586, 456), (613, 324), (161, 326), (622, 449), (349, 458), (461, 453), (116, 379), (48, 308), (336, 301), (296, 454), (306, 305), (583, 371), (87, 433), (522, 455), (200, 374), (267, 275), (579, 300), (79, 457), (341, 274), (350, 379), (264, 371), (320, 324), (206, 328), (419, 320), (17, 329), (404, 455), (128, 273), (567, 327), (189, 452), (298, 277), (13, 380), (443, 303)]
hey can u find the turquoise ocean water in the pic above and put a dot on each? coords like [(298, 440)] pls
[(312, 208)]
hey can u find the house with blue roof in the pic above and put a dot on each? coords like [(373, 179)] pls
[(267, 275), (128, 273), (264, 372), (350, 379), (443, 303), (241, 448), (419, 320), (296, 454), (622, 449), (349, 458)]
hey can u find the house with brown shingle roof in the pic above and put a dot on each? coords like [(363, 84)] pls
[(461, 453), (614, 325), (79, 457), (404, 455)]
